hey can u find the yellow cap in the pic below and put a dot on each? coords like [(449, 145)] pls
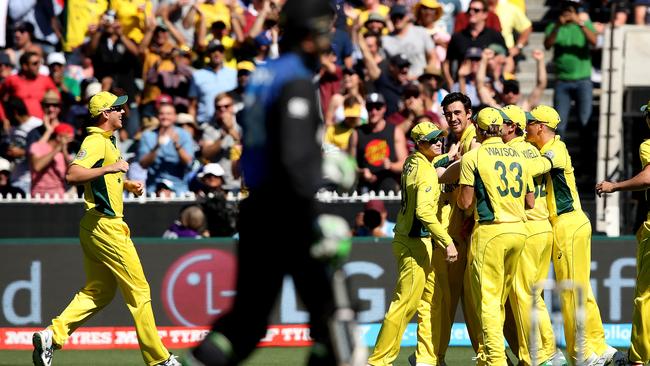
[(353, 111), (103, 101), (245, 65), (546, 115), (425, 131), (431, 4), (515, 114), (487, 117)]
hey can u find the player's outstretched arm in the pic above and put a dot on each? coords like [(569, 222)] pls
[(77, 174), (638, 182)]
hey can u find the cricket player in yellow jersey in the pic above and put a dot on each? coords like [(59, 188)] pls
[(457, 108), (639, 352), (535, 259), (417, 234), (110, 258), (571, 239), (494, 178)]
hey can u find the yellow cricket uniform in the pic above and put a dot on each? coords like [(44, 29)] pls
[(459, 223), (500, 178), (533, 267), (416, 227), (640, 347), (571, 249), (110, 258)]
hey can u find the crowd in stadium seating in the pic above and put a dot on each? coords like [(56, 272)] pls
[(184, 65)]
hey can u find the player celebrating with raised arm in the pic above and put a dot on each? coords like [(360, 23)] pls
[(110, 258), (495, 178), (535, 258), (639, 352), (417, 234), (571, 240)]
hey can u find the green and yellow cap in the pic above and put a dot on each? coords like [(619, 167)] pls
[(515, 114), (425, 131), (488, 117), (546, 115), (103, 101)]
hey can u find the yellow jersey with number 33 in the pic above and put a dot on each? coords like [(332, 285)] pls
[(500, 179), (562, 194), (420, 193), (103, 196), (537, 166)]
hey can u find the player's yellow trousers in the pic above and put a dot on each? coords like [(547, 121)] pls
[(414, 258), (533, 267), (433, 312), (111, 261), (494, 254), (572, 261), (640, 347)]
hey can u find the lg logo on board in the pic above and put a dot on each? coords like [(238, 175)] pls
[(199, 286)]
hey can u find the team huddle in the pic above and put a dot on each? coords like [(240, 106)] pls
[(485, 234)]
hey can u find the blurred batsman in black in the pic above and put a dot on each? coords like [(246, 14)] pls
[(281, 164)]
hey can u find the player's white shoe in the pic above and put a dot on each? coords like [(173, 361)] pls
[(171, 361), (613, 357), (43, 348)]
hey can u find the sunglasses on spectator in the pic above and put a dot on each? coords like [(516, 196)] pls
[(374, 106), (34, 63), (224, 106), (475, 10), (47, 105)]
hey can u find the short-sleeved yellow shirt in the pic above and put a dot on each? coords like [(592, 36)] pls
[(103, 196), (339, 135), (420, 193), (500, 178), (512, 19), (79, 15), (466, 139), (560, 182), (131, 14), (537, 166)]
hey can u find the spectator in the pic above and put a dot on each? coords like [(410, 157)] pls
[(28, 84), (370, 48), (431, 81), (166, 152), (427, 13), (412, 41), (376, 24), (6, 66), (80, 16), (513, 20), (165, 189), (641, 12), (244, 70), (255, 7), (6, 189), (217, 31), (462, 20), (380, 149), (49, 159), (412, 106), (191, 224), (209, 82), (369, 7), (385, 226), (220, 136), (113, 56), (23, 39), (17, 144), (390, 84), (372, 223), (451, 8), (476, 34), (571, 37), (211, 180), (351, 86), (340, 134), (330, 77), (342, 47), (52, 106), (68, 87), (467, 71), (132, 15), (510, 92)]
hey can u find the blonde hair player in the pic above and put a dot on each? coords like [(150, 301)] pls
[(110, 258)]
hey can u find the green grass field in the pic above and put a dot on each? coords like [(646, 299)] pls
[(262, 357)]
